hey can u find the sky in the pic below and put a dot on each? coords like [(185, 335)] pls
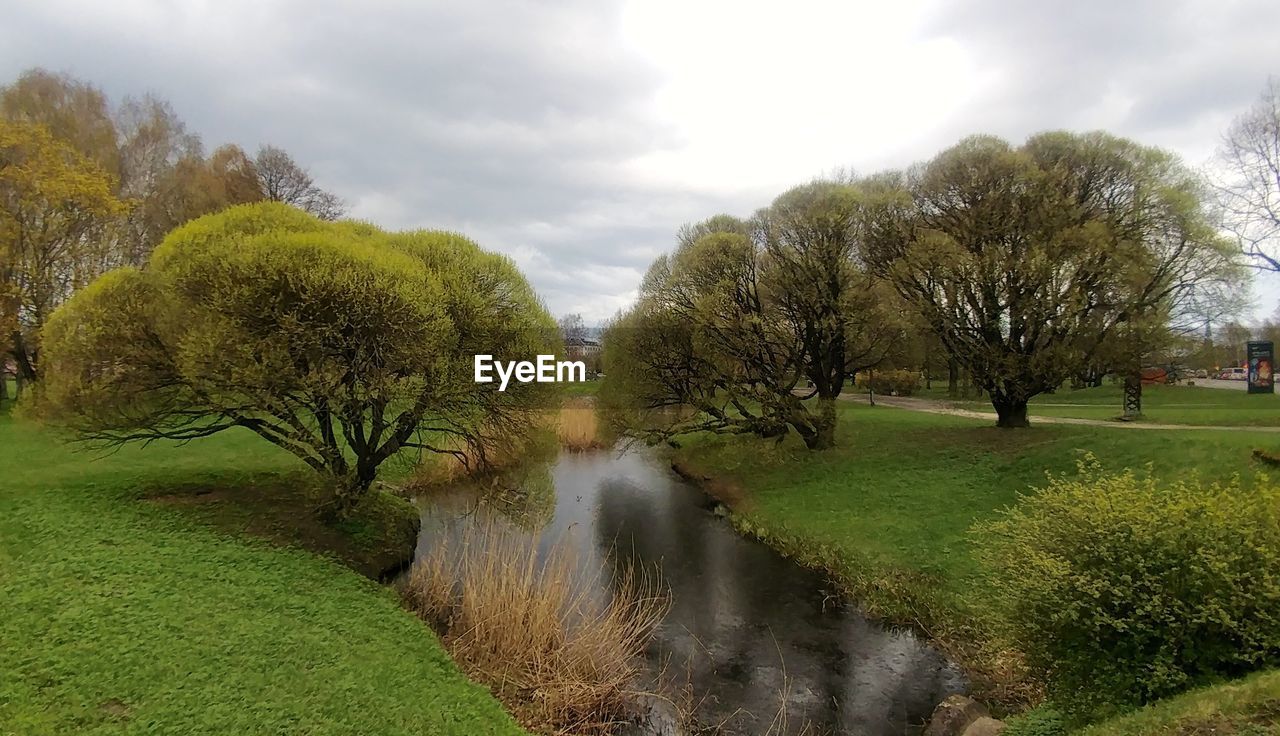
[(578, 135)]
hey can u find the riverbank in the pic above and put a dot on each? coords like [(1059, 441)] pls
[(137, 594), (751, 643), (887, 513), (1245, 707)]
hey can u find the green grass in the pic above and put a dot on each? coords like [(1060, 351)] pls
[(121, 614), (1193, 405), (889, 510), (581, 388), (1247, 707)]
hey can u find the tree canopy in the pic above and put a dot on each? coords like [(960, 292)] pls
[(281, 179), (338, 342), (749, 320), (1249, 183), (156, 176), (54, 206)]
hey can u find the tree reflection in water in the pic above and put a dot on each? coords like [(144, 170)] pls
[(747, 630)]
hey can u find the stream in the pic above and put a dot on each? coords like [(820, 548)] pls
[(747, 628)]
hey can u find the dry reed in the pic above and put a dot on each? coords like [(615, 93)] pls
[(575, 428), (561, 654), (578, 428)]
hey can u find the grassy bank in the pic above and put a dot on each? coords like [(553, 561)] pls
[(889, 510), (1247, 707), (1193, 405), (136, 598)]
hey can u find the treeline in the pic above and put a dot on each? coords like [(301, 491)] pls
[(87, 185), (1026, 265)]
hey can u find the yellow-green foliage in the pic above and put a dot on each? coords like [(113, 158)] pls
[(336, 341), (54, 203), (891, 382), (1122, 590)]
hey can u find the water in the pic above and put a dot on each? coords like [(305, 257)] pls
[(747, 628)]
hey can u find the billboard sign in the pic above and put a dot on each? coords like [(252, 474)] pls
[(1261, 367)]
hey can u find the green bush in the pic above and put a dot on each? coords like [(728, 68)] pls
[(893, 382), (1121, 590), (1045, 720)]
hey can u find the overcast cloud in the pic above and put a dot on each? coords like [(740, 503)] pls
[(577, 135)]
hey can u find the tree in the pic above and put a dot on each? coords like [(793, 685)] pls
[(728, 327), (572, 329), (73, 111), (1026, 261), (54, 206), (338, 342), (701, 351), (283, 180), (828, 301), (153, 143), (156, 164), (1249, 182)]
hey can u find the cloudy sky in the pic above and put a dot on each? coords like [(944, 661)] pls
[(577, 135)]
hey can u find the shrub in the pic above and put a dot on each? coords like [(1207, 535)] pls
[(1121, 590), (894, 382), (341, 344), (1045, 720), (560, 655)]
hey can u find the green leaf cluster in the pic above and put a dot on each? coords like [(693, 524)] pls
[(1122, 590), (339, 342)]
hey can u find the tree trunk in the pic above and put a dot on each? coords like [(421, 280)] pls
[(953, 378), (4, 382), (349, 489), (817, 429), (824, 425), (24, 360), (1011, 413), (928, 373)]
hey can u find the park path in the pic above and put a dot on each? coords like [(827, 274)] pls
[(933, 406)]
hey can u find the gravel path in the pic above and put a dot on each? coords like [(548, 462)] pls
[(941, 407)]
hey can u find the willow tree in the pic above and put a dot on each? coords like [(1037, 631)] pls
[(338, 342), (1028, 261), (747, 322)]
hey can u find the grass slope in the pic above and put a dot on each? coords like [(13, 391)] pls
[(1194, 405), (1247, 707), (120, 615)]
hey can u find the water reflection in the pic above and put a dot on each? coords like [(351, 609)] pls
[(747, 629)]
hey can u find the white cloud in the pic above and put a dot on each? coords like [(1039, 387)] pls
[(577, 135)]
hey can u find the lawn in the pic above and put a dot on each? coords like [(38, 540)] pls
[(889, 509), (581, 388), (122, 613), (1247, 707), (1194, 405)]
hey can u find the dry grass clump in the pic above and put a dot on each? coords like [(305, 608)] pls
[(573, 427), (578, 427), (463, 464), (561, 655)]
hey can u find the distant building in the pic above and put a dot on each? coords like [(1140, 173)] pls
[(581, 347)]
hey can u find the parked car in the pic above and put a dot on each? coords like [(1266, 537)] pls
[(1233, 374)]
